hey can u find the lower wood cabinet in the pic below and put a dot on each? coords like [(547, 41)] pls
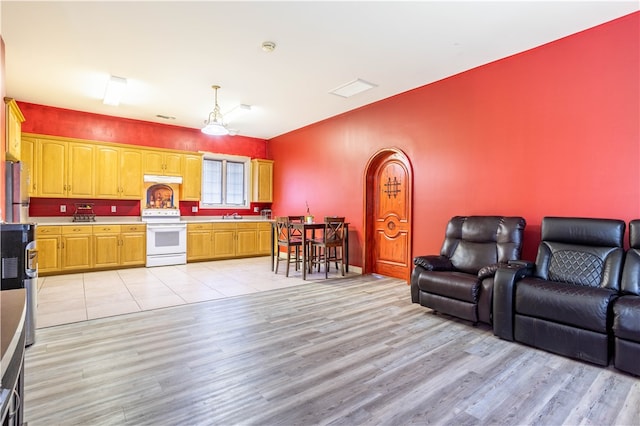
[(208, 241), (67, 248)]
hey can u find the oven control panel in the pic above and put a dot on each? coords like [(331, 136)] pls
[(161, 213)]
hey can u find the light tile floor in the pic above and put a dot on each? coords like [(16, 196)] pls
[(71, 298)]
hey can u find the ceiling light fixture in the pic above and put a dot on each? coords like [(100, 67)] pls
[(115, 89), (268, 46), (214, 125), (352, 88)]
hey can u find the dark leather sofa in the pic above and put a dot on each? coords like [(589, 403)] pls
[(459, 282), (564, 302), (626, 310)]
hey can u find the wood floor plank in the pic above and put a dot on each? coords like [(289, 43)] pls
[(343, 351)]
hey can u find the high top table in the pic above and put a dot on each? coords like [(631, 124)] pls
[(304, 228)]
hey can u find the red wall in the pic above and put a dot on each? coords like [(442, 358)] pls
[(82, 125), (551, 131)]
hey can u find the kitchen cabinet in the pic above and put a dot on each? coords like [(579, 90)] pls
[(65, 169), (77, 247), (262, 180), (246, 239), (28, 158), (223, 240), (133, 245), (106, 243), (191, 177), (14, 120), (118, 173), (199, 241), (264, 238), (48, 244), (162, 163), (119, 245)]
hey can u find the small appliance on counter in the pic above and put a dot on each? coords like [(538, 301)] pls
[(19, 259), (266, 214)]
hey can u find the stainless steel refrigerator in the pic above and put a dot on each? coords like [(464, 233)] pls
[(16, 194)]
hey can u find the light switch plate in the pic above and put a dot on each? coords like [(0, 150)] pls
[(194, 209), (256, 209), (63, 208), (113, 209)]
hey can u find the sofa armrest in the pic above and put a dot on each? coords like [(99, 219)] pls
[(490, 270), (504, 284), (434, 263)]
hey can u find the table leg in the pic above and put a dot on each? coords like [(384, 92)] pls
[(273, 243), (304, 254)]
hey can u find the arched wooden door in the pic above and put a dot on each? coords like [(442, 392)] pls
[(388, 214)]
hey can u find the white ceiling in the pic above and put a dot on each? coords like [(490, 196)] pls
[(62, 53)]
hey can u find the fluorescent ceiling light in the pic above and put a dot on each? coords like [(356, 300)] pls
[(353, 88), (115, 89)]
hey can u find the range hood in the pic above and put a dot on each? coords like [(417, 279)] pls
[(162, 179)]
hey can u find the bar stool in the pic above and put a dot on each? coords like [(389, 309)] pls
[(330, 247), (288, 241)]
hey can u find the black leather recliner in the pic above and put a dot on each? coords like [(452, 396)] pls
[(626, 310), (459, 281), (563, 302)]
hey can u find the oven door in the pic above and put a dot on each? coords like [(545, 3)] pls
[(166, 238)]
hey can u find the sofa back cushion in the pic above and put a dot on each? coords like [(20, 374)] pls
[(581, 251), (472, 242), (631, 272)]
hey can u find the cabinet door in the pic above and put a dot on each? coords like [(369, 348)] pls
[(262, 182), (173, 164), (247, 242), (131, 174), (223, 243), (106, 250), (51, 161), (192, 178), (14, 121), (198, 245), (28, 158), (133, 248), (153, 163), (80, 169), (264, 238), (77, 252), (48, 253), (107, 172)]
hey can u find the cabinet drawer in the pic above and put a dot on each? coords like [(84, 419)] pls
[(264, 226), (106, 229), (47, 230), (225, 226), (247, 225), (133, 228), (199, 226), (77, 229)]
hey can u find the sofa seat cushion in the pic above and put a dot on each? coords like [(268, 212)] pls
[(579, 306), (626, 318), (456, 285)]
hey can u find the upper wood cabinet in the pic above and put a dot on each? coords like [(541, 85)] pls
[(262, 180), (28, 159), (162, 163), (64, 169), (118, 173), (14, 130), (191, 177)]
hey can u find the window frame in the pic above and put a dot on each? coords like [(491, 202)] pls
[(225, 158)]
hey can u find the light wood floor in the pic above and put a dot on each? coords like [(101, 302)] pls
[(347, 351)]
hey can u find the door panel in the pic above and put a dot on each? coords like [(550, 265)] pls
[(389, 215)]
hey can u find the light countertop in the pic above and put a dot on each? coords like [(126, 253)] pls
[(128, 220)]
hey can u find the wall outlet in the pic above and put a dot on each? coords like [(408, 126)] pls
[(256, 209), (194, 209), (113, 209), (63, 208)]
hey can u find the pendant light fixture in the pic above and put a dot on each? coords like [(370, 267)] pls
[(214, 125)]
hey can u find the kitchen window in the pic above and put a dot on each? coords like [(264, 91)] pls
[(225, 181)]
